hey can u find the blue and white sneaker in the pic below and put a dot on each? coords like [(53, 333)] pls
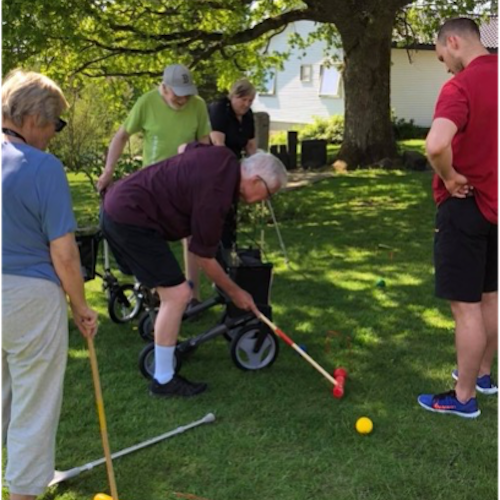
[(484, 384), (448, 403)]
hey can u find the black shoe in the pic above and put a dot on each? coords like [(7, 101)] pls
[(178, 386)]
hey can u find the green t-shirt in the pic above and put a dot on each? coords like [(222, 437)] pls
[(164, 128)]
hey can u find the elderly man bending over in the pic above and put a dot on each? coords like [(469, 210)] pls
[(186, 195)]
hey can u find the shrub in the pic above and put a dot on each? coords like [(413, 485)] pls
[(330, 129), (93, 118), (278, 137), (404, 130)]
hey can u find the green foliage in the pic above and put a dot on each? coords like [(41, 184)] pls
[(404, 129), (420, 21), (82, 145), (330, 129), (95, 114), (99, 38), (278, 137)]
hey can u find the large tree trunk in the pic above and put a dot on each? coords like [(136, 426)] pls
[(368, 135)]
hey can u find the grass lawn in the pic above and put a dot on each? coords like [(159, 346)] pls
[(279, 433)]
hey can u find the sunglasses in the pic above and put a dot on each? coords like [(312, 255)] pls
[(60, 124)]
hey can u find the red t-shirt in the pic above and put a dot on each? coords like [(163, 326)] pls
[(470, 101)]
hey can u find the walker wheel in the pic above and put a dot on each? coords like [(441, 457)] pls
[(254, 347)]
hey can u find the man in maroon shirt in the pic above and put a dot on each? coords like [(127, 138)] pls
[(186, 195), (462, 147)]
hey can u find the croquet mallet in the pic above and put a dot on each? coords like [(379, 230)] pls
[(102, 423), (339, 375)]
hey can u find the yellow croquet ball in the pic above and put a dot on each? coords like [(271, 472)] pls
[(364, 425), (102, 496)]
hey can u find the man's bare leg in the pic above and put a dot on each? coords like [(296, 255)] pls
[(489, 308), (470, 341)]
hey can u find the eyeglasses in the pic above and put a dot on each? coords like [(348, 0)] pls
[(60, 124), (269, 194)]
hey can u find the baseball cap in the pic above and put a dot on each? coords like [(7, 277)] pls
[(179, 79)]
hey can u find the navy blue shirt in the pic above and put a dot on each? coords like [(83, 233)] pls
[(224, 120)]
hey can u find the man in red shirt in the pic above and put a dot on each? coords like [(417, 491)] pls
[(462, 147)]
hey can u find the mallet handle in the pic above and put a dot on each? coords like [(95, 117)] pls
[(292, 344), (102, 419)]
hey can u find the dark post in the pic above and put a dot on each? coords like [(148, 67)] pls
[(292, 149)]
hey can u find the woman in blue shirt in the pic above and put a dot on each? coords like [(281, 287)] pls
[(40, 267)]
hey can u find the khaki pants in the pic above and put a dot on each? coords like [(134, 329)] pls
[(34, 354)]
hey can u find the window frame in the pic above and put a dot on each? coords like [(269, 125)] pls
[(338, 90)]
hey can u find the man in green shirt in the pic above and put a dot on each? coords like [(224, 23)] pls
[(168, 116)]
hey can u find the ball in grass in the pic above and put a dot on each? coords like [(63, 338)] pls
[(364, 425), (380, 283), (102, 496)]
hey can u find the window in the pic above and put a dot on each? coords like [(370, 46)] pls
[(269, 84), (306, 73), (330, 81)]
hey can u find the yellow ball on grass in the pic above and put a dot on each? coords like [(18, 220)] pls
[(364, 425)]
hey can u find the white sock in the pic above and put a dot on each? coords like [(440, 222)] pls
[(164, 363)]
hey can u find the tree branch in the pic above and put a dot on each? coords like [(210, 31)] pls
[(211, 42)]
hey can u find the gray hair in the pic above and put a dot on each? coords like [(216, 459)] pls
[(242, 88), (267, 166), (26, 93)]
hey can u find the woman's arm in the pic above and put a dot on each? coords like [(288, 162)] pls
[(218, 138), (66, 259)]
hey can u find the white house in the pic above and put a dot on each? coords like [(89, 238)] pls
[(306, 87)]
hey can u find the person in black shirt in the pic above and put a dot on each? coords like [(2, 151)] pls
[(233, 127), (232, 120)]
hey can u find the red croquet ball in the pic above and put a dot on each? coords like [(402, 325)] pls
[(340, 372)]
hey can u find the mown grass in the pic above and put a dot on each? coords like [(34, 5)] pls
[(279, 433)]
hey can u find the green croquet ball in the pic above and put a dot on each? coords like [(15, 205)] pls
[(380, 283)]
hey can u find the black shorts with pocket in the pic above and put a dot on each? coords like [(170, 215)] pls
[(143, 252), (465, 251)]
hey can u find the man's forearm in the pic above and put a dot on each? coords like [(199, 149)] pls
[(215, 273), (441, 163), (115, 151), (204, 140)]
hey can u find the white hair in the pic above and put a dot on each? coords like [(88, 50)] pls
[(267, 166), (27, 93)]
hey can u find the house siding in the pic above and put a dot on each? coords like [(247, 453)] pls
[(296, 102), (415, 85)]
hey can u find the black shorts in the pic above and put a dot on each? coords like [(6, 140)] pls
[(143, 252), (465, 251)]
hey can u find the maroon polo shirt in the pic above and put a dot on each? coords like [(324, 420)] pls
[(470, 101), (186, 195)]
